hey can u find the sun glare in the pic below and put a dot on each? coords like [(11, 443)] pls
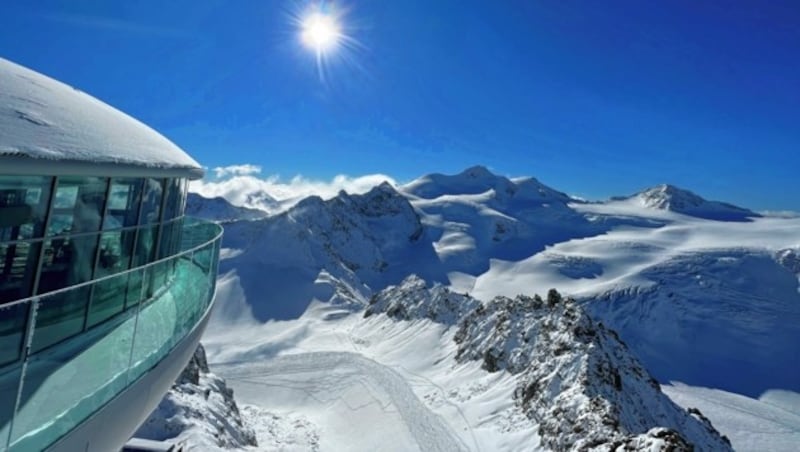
[(320, 32), (322, 29)]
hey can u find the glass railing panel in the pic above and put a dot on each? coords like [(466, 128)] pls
[(135, 292), (12, 327), (13, 319), (60, 316), (108, 299), (168, 317), (66, 383), (83, 354), (9, 384)]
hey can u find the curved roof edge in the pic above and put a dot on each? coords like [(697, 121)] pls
[(46, 122), (26, 166)]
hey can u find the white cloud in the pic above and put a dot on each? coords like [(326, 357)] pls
[(237, 170), (273, 194), (780, 213)]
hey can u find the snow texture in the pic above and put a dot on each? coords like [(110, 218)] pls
[(41, 118), (199, 412), (577, 380)]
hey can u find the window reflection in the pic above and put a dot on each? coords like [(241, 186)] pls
[(78, 205), (123, 203), (151, 204), (85, 239), (17, 269), (67, 261), (114, 256), (145, 246), (23, 204), (173, 202)]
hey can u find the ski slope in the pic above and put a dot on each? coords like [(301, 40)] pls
[(354, 392)]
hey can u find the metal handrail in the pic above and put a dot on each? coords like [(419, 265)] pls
[(217, 236)]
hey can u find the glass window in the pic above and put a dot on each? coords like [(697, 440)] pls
[(170, 239), (151, 203), (172, 207), (67, 261), (78, 205), (23, 205), (123, 203), (145, 246), (115, 252), (17, 268)]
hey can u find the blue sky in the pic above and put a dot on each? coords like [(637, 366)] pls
[(593, 98)]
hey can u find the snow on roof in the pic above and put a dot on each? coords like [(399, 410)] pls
[(44, 119)]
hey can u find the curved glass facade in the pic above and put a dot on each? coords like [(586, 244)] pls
[(99, 279)]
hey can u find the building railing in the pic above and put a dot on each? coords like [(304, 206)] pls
[(67, 372)]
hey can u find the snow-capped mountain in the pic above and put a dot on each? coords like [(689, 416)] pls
[(479, 180), (674, 199), (575, 379), (721, 295), (335, 250)]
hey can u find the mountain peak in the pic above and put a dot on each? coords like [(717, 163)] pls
[(477, 171), (679, 200), (478, 180)]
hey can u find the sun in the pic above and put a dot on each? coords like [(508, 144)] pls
[(323, 30), (320, 32)]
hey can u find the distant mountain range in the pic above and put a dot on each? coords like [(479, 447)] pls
[(702, 292)]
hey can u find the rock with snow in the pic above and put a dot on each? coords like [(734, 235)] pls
[(674, 199), (413, 300), (199, 412), (575, 379)]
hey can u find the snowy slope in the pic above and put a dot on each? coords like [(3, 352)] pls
[(752, 425)]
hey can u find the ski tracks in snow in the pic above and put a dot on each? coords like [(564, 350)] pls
[(428, 430)]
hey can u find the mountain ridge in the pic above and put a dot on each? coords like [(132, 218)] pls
[(576, 379)]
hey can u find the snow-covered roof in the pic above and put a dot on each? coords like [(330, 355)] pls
[(43, 121)]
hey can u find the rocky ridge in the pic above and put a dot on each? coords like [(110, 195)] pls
[(576, 379), (199, 406)]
